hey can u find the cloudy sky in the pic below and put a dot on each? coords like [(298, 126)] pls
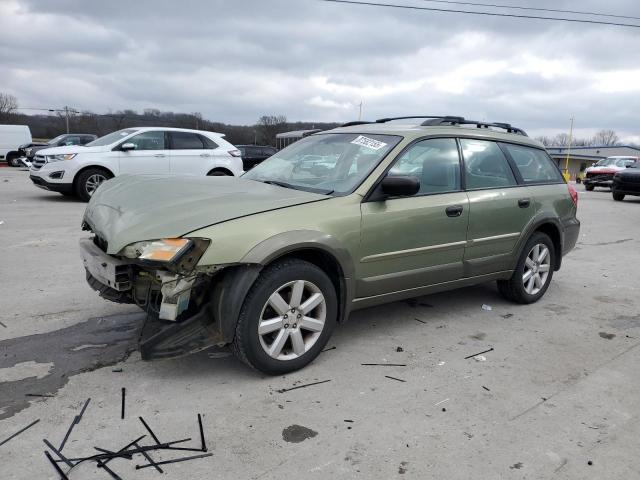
[(310, 60)]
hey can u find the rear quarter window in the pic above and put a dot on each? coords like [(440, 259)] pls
[(534, 165)]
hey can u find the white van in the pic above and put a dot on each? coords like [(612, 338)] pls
[(11, 137)]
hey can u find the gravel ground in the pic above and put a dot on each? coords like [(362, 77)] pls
[(558, 397)]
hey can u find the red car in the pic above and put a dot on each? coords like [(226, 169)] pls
[(601, 174)]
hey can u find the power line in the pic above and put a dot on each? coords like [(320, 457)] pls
[(490, 14), (514, 7)]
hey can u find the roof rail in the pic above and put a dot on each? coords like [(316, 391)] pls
[(462, 121), (356, 122), (448, 117)]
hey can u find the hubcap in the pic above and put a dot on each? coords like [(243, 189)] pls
[(536, 269), (93, 182), (292, 320)]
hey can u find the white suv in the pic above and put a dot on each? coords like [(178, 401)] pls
[(79, 170)]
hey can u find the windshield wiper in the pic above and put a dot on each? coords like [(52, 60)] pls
[(298, 187)]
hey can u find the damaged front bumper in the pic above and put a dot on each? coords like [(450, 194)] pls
[(180, 314)]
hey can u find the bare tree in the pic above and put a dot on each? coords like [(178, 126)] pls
[(8, 104), (605, 137), (269, 126)]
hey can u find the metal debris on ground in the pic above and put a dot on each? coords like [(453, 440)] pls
[(76, 420), (486, 388), (283, 390), (480, 358), (44, 395), (127, 452), (418, 320), (479, 353), (2, 324), (19, 432), (441, 401), (487, 307), (117, 370), (507, 315), (394, 378), (399, 349), (124, 393), (327, 349)]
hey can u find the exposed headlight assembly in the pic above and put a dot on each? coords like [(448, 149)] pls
[(179, 252), (57, 158)]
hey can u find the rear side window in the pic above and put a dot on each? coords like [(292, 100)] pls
[(534, 165), (186, 141), (485, 165), (207, 142)]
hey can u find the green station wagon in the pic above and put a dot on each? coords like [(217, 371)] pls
[(365, 214)]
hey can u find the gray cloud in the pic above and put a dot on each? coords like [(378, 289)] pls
[(310, 60)]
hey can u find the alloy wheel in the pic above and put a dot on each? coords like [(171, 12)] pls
[(93, 182), (292, 320), (536, 269)]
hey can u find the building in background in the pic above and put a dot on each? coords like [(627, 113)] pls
[(287, 138), (582, 157)]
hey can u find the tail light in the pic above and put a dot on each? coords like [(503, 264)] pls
[(574, 194), (235, 153)]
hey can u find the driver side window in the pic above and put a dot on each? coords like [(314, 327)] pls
[(148, 141), (434, 162)]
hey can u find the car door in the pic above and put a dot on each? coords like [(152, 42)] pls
[(499, 205), (419, 240), (149, 154), (190, 154)]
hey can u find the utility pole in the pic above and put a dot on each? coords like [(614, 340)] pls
[(566, 162), (360, 114), (66, 116)]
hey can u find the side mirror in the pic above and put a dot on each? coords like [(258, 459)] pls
[(400, 186), (125, 147)]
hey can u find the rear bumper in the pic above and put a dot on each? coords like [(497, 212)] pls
[(53, 187), (626, 188), (571, 234)]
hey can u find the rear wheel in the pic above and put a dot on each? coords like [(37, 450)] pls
[(533, 273), (88, 182), (589, 188), (618, 197), (219, 173), (287, 317), (12, 159)]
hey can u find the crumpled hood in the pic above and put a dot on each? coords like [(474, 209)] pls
[(132, 208)]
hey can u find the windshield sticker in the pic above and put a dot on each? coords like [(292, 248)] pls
[(369, 143)]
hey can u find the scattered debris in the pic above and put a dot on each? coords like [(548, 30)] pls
[(441, 363), (507, 315), (486, 307), (327, 349), (76, 420), (3, 325), (283, 390), (348, 421), (117, 370), (589, 463), (124, 393), (479, 353), (441, 401), (19, 432), (418, 320), (38, 395), (297, 434), (606, 335), (486, 388), (177, 460), (394, 378), (480, 358), (517, 466), (444, 409), (384, 364), (402, 469), (399, 349)]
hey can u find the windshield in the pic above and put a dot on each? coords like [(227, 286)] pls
[(111, 138), (327, 163), (56, 140), (605, 162), (623, 162)]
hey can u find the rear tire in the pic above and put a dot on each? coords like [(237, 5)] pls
[(279, 330), (219, 173), (618, 197), (589, 188), (533, 272), (88, 181), (12, 160)]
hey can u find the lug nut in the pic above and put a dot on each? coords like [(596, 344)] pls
[(299, 316), (286, 325), (295, 325), (286, 316)]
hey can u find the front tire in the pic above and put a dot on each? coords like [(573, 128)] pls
[(12, 160), (618, 197), (88, 182), (287, 317), (533, 272)]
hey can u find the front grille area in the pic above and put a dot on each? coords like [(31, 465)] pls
[(598, 175), (38, 162)]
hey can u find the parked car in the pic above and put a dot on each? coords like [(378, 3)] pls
[(270, 262), (11, 137), (252, 155), (79, 170), (626, 182), (602, 172), (65, 140), (22, 153)]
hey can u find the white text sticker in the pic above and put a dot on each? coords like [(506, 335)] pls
[(369, 143)]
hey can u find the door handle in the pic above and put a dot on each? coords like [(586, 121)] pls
[(159, 155), (205, 155), (454, 211), (524, 202)]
